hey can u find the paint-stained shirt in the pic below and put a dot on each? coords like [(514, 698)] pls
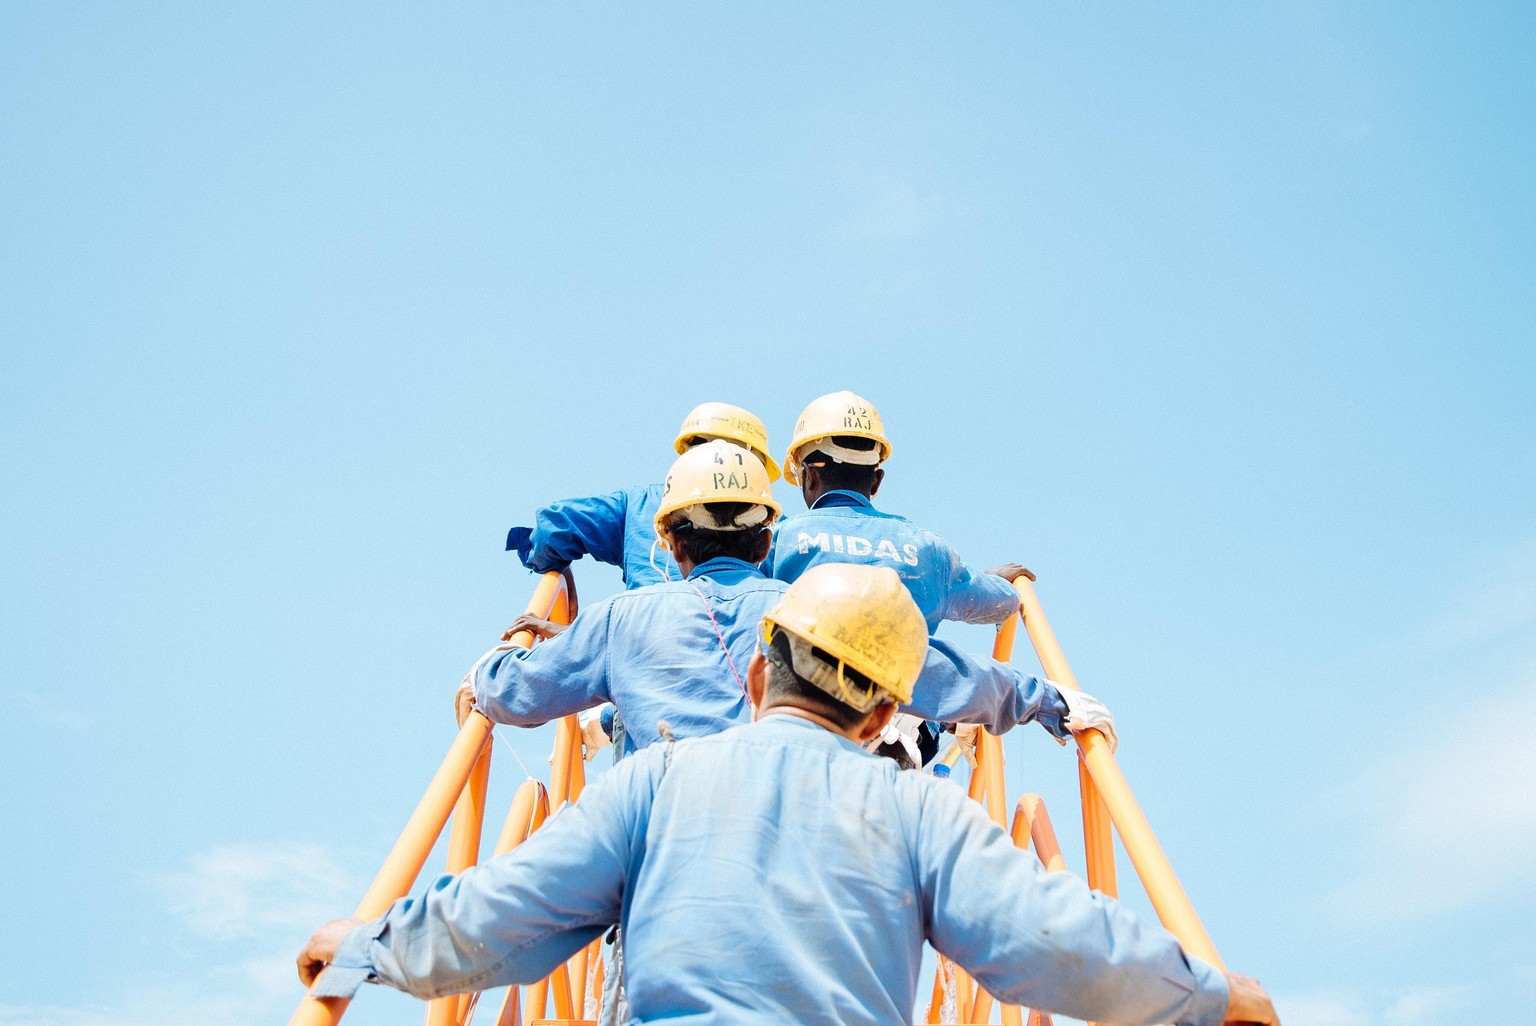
[(845, 527), (678, 653), (776, 873), (617, 528)]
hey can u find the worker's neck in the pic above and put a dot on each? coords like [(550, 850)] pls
[(853, 733), (814, 495)]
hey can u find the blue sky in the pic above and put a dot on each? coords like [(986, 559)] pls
[(1217, 316)]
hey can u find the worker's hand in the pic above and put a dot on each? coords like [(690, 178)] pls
[(965, 738), (1084, 712), (593, 737), (464, 700), (1249, 1002), (1010, 572), (321, 949), (536, 625)]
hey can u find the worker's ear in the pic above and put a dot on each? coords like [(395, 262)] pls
[(874, 482), (810, 483), (875, 723), (764, 545), (757, 681)]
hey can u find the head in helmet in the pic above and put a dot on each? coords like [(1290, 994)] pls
[(716, 502), (844, 645), (709, 421), (839, 444)]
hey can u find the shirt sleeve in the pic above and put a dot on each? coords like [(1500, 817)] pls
[(568, 673), (1044, 940), (958, 688), (517, 917), (975, 596), (566, 530)]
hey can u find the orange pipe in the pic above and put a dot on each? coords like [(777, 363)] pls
[(1035, 822), (962, 994), (567, 738), (996, 789), (1167, 895), (463, 852), (530, 807), (1098, 841), (405, 859), (538, 999), (511, 1013), (981, 1011)]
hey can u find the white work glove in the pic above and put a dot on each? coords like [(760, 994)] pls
[(1085, 712), (593, 737)]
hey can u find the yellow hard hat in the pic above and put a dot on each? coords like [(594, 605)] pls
[(862, 617), (840, 413), (732, 423), (717, 471)]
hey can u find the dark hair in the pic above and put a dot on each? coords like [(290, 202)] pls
[(850, 477), (785, 685), (700, 545)]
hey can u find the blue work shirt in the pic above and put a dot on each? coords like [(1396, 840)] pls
[(845, 527), (776, 873), (618, 528), (660, 653)]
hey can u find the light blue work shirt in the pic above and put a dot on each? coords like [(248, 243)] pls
[(660, 653), (776, 873), (618, 528), (845, 527)]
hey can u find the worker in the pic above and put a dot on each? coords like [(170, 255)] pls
[(617, 528), (672, 657), (777, 873), (836, 458)]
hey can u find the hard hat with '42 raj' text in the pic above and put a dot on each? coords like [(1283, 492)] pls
[(722, 420), (864, 619), (713, 473), (840, 414)]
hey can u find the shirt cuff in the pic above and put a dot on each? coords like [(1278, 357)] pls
[(353, 964), (1208, 1006), (1053, 710)]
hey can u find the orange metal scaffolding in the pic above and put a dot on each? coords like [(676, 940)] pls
[(460, 785)]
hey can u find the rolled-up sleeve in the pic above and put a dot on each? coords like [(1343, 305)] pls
[(1044, 940), (568, 673), (974, 596), (514, 919), (566, 530), (958, 688)]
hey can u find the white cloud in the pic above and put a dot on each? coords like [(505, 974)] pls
[(243, 891), (1450, 821), (1454, 817), (260, 901)]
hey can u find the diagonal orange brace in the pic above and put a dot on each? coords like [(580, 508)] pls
[(1167, 895), (405, 859)]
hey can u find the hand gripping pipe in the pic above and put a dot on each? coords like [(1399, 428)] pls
[(422, 830), (1170, 902), (464, 841)]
